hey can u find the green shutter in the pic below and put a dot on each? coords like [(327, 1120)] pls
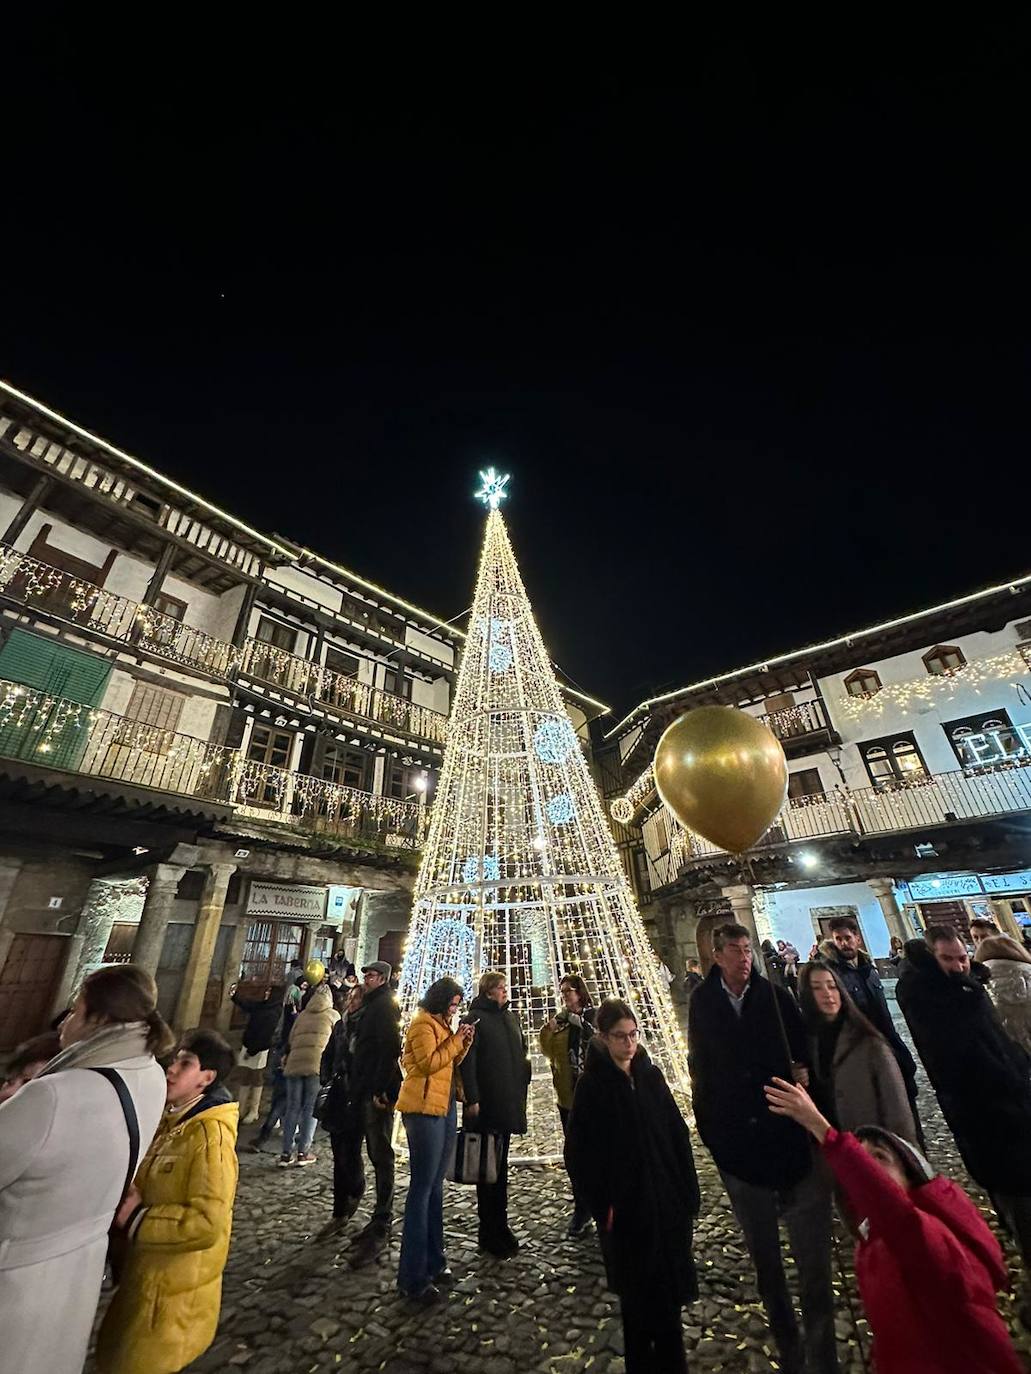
[(60, 672)]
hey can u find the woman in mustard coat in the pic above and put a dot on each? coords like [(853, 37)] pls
[(432, 1051), (176, 1221)]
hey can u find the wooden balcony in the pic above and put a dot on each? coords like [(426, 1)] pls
[(339, 692), (911, 804), (801, 728), (40, 587), (48, 732)]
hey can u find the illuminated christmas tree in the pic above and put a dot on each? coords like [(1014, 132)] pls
[(520, 872)]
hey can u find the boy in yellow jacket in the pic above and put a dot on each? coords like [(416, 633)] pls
[(176, 1220)]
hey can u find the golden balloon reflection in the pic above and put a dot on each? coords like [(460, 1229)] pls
[(723, 774)]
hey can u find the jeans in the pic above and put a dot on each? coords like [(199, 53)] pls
[(375, 1127), (492, 1202), (806, 1210), (301, 1092), (430, 1143), (653, 1341)]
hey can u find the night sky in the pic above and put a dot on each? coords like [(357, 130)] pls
[(750, 332)]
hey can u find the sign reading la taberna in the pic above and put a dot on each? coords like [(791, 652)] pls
[(287, 901)]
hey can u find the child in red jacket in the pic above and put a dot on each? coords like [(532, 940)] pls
[(927, 1265)]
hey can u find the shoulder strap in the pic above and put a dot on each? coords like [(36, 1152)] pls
[(132, 1123)]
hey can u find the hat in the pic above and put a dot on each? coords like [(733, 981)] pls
[(379, 967)]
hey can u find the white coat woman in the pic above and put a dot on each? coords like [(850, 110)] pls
[(1010, 988), (64, 1154)]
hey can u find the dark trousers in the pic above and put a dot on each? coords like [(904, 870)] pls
[(277, 1110), (580, 1209), (1015, 1214), (653, 1341), (374, 1127), (492, 1201), (806, 1211)]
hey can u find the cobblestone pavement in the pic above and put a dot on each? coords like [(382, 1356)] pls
[(292, 1305)]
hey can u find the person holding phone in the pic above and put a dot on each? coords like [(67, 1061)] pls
[(495, 1081)]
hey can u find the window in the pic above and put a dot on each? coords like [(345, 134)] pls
[(280, 636), (274, 748), (342, 765), (155, 706), (338, 662), (944, 658), (400, 782), (862, 682), (396, 683), (170, 606), (986, 738), (895, 758), (805, 783)]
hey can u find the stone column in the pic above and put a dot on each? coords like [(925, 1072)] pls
[(157, 911), (71, 976), (1007, 922), (740, 899), (234, 958), (884, 890), (202, 951)]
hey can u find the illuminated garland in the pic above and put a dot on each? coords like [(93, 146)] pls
[(623, 808), (933, 688)]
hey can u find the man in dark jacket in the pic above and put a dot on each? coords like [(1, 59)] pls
[(375, 1081), (982, 1078), (495, 1079), (856, 970), (737, 1044)]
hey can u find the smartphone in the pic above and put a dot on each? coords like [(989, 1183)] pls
[(473, 1021)]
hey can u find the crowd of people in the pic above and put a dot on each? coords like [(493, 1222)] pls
[(803, 1092)]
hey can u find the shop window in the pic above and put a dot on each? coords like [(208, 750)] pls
[(944, 659), (862, 682), (805, 783), (895, 758), (985, 739)]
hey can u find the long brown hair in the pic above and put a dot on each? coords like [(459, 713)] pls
[(1002, 947), (811, 1013), (126, 992)]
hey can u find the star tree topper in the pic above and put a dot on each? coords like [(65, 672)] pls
[(493, 492)]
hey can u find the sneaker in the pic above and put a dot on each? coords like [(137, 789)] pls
[(578, 1226), (284, 1161), (306, 1158), (445, 1279), (334, 1227)]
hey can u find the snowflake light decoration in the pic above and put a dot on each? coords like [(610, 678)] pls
[(561, 809), (471, 869), (554, 740), (500, 658), (493, 492)]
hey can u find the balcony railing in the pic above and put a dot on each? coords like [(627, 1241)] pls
[(795, 722), (45, 588), (909, 804), (261, 789), (48, 731), (340, 691)]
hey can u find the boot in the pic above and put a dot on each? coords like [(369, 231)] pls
[(369, 1244), (250, 1104)]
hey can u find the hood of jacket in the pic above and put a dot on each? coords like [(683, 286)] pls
[(944, 1199), (598, 1059)]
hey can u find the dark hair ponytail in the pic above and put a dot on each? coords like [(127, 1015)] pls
[(125, 992)]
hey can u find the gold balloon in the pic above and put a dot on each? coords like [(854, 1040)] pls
[(315, 971), (723, 774)]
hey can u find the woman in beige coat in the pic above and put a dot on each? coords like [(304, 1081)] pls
[(308, 1038), (854, 1078), (1010, 988)]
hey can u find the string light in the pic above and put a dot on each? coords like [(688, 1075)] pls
[(520, 872), (933, 688)]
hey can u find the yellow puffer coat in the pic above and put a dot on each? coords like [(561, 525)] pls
[(310, 1034), (428, 1059), (165, 1311)]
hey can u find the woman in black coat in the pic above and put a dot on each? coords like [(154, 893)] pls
[(495, 1079), (628, 1152)]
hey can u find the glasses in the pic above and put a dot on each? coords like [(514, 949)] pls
[(625, 1037)]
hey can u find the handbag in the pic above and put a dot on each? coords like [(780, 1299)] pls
[(116, 1240), (475, 1159)]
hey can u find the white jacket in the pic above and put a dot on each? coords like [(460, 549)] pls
[(64, 1152), (1010, 990)]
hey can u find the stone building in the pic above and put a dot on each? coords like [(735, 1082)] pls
[(217, 747), (909, 800)]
